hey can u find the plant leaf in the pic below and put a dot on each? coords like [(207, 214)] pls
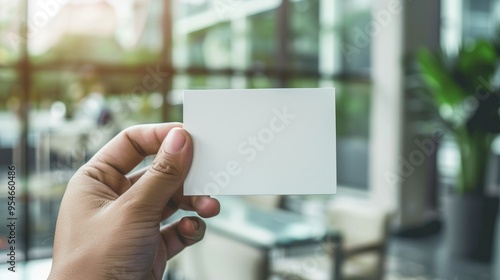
[(446, 91)]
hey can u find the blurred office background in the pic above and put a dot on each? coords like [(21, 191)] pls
[(75, 72)]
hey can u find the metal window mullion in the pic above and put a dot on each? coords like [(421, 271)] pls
[(283, 40)]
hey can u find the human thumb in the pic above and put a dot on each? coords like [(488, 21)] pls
[(165, 175)]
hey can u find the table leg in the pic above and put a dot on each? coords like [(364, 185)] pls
[(337, 259), (267, 264)]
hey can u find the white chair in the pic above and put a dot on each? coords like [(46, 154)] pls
[(265, 201), (220, 258), (364, 228)]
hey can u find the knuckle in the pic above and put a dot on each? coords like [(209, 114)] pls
[(130, 129), (92, 172), (200, 232), (166, 166)]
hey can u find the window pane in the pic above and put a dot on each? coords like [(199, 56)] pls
[(188, 8), (467, 21), (356, 32), (73, 115), (353, 105), (10, 40), (8, 90), (353, 108), (9, 105), (184, 82), (298, 82), (204, 39), (305, 34), (262, 81), (9, 136), (208, 82), (210, 47), (263, 40), (207, 35), (133, 98), (478, 21), (107, 32)]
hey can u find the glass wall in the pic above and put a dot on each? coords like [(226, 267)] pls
[(91, 69), (299, 44), (87, 69), (10, 13), (464, 21)]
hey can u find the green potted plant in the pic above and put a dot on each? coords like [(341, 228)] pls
[(465, 100)]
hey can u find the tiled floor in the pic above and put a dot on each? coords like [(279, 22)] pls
[(409, 259), (426, 259)]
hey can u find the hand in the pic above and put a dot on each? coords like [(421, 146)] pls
[(109, 222)]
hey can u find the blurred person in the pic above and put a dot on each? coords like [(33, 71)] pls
[(93, 107), (109, 221)]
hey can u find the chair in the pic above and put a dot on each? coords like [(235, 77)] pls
[(265, 201), (219, 258), (364, 228)]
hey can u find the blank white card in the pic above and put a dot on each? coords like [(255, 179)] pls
[(261, 142)]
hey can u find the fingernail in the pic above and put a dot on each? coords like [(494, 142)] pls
[(175, 141), (195, 223)]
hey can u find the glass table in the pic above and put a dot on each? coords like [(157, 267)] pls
[(272, 230)]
